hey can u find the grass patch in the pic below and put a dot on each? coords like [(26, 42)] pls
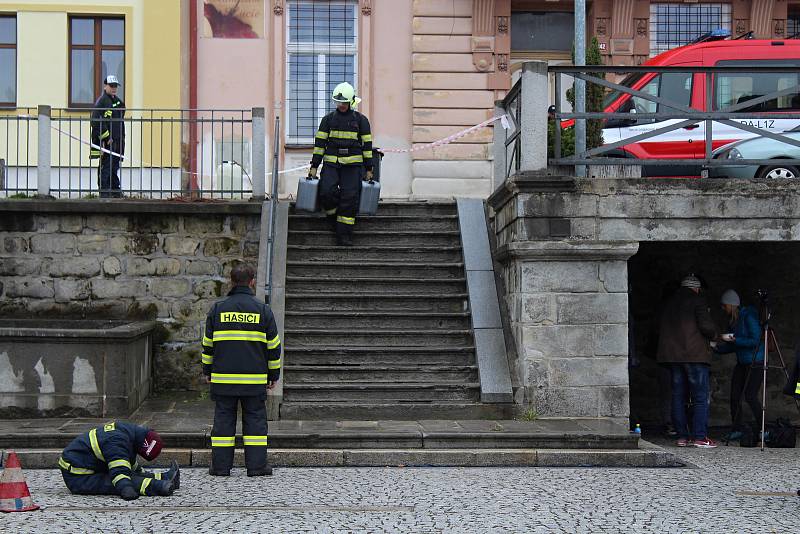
[(529, 415)]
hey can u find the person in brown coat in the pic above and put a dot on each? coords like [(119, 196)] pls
[(683, 343)]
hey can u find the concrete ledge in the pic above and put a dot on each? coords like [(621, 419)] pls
[(651, 456), (117, 206), (484, 303)]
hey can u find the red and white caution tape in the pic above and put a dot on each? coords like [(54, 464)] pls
[(440, 142), (450, 138)]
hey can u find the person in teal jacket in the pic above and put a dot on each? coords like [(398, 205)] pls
[(747, 342)]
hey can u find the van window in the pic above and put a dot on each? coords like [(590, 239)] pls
[(673, 86), (734, 88)]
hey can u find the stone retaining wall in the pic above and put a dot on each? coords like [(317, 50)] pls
[(564, 245), (126, 260)]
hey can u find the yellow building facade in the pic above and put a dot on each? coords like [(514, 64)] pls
[(57, 54)]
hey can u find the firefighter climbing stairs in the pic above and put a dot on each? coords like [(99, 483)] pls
[(381, 330)]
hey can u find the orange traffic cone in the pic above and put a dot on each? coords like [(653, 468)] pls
[(14, 494)]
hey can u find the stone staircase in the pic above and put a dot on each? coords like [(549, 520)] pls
[(380, 330)]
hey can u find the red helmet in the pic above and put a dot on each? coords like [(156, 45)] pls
[(150, 448)]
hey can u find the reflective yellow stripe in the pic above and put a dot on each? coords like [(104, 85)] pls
[(66, 466), (351, 159), (274, 364), (321, 134), (96, 446), (107, 113), (797, 389), (346, 220), (157, 476), (207, 359), (331, 211), (207, 342), (366, 138), (329, 159), (250, 441), (274, 342), (220, 378), (118, 478), (105, 134), (119, 463), (239, 335), (136, 467), (220, 441), (143, 488), (94, 152), (340, 134), (368, 154), (319, 150)]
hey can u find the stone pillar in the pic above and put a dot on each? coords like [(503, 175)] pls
[(568, 305), (43, 154), (533, 122)]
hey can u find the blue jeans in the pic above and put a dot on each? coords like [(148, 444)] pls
[(694, 377)]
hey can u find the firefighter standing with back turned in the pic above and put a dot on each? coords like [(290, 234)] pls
[(241, 359), (344, 144)]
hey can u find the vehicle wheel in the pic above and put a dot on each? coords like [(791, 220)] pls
[(779, 172)]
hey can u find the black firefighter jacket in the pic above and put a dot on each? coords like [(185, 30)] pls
[(107, 123), (241, 346)]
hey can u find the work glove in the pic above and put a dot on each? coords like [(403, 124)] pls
[(312, 173), (369, 175), (129, 493)]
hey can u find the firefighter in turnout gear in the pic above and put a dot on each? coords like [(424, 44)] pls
[(108, 132), (241, 360), (103, 462), (343, 144)]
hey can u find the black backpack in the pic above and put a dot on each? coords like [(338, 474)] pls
[(780, 434)]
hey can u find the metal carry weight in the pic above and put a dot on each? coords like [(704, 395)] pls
[(307, 195), (371, 191)]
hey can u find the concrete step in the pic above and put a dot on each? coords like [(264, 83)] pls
[(417, 209), (302, 374), (380, 237), (411, 411), (377, 301), (379, 222), (410, 457), (374, 269), (379, 338), (382, 392), (395, 253), (372, 355), (377, 320), (360, 285)]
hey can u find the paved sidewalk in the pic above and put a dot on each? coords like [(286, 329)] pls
[(712, 498)]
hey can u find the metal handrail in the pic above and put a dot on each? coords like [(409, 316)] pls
[(273, 208)]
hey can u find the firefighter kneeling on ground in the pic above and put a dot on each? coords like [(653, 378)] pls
[(103, 462), (242, 360), (343, 144)]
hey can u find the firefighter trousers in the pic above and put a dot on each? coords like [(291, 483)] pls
[(339, 191), (108, 176), (254, 432), (100, 483)]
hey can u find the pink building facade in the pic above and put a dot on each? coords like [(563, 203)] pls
[(425, 69)]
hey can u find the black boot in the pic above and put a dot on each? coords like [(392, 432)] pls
[(167, 487), (173, 474), (215, 473), (266, 472)]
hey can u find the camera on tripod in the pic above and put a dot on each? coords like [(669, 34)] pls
[(764, 312)]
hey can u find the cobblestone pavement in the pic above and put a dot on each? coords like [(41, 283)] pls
[(710, 499)]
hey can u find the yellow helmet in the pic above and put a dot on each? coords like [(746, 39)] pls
[(344, 93)]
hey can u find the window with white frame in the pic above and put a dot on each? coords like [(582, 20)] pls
[(322, 48), (673, 25)]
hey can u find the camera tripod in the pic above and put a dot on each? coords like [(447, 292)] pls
[(767, 337)]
